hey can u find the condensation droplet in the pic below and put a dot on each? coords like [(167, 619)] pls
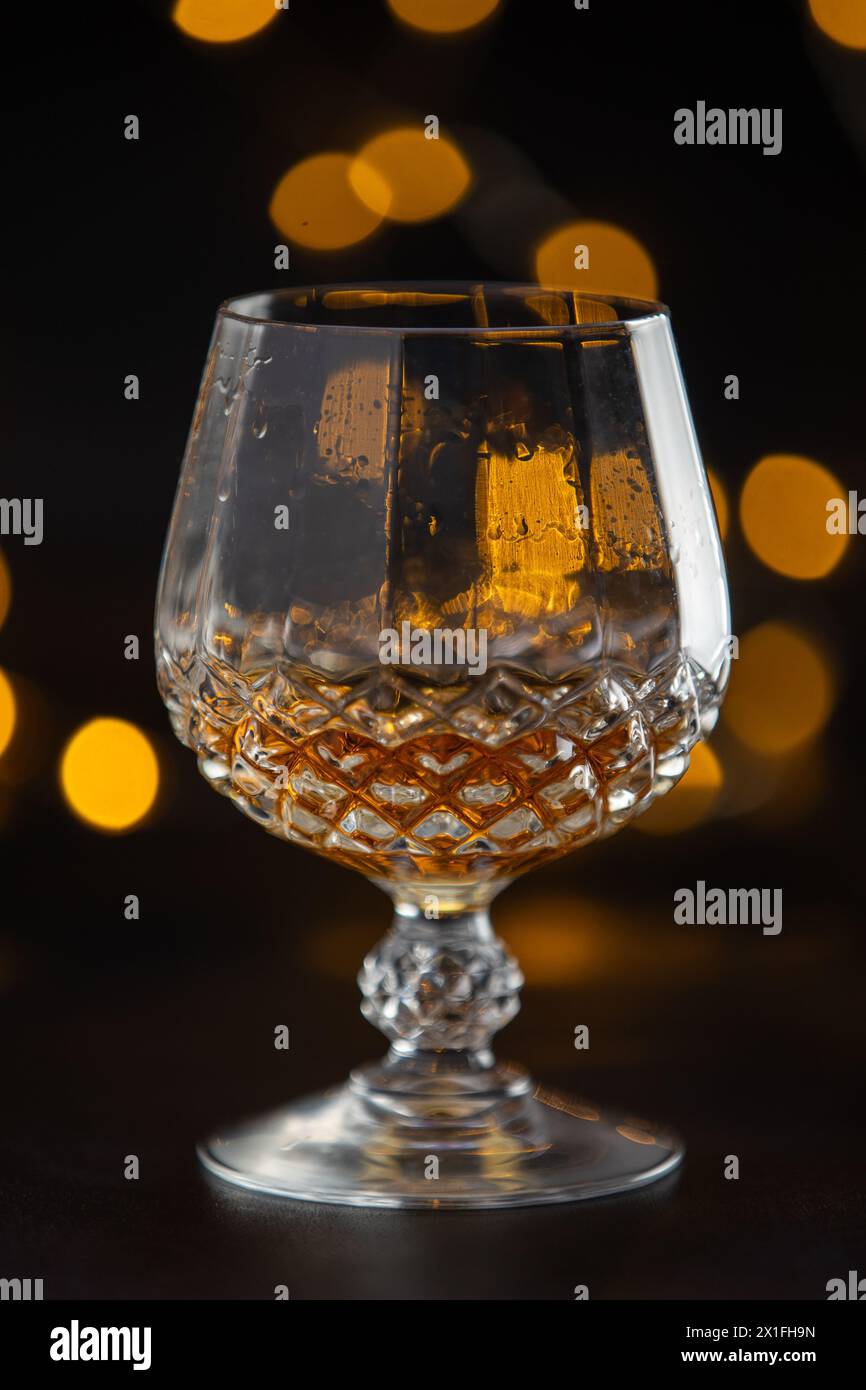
[(260, 421)]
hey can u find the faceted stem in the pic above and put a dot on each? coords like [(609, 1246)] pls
[(441, 985)]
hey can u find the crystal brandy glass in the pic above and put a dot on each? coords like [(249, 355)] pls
[(442, 599)]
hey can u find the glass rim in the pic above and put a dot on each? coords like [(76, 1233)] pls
[(625, 311)]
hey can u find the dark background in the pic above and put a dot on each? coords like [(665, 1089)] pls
[(134, 1037)]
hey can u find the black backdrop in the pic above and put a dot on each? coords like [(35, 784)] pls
[(133, 1037)]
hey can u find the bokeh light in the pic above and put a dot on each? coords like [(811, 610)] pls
[(5, 588), (402, 174), (691, 800), (442, 16), (315, 205), (551, 308), (7, 712), (553, 949), (842, 20), (783, 513), (798, 785), (563, 939), (767, 789), (618, 263), (720, 498), (559, 937), (223, 21), (109, 774), (781, 691), (31, 743)]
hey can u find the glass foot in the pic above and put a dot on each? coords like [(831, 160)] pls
[(436, 1133)]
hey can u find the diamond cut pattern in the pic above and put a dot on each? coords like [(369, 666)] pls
[(482, 779), (443, 993)]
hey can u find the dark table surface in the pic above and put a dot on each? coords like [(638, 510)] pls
[(141, 1036)]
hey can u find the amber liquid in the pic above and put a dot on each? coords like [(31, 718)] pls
[(340, 770)]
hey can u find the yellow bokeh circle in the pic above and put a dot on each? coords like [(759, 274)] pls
[(109, 774), (5, 588), (7, 712), (783, 513), (615, 261), (842, 20), (720, 498), (315, 205), (223, 21), (691, 800), (406, 176), (781, 692), (442, 16)]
